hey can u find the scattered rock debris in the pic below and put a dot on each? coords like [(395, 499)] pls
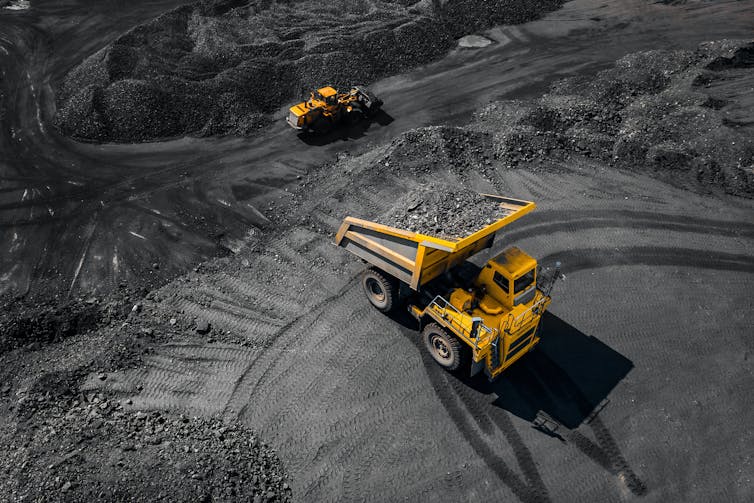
[(82, 447), (202, 327)]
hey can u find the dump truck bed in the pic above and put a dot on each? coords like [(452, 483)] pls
[(416, 258)]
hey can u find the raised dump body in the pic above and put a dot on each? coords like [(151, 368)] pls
[(415, 258)]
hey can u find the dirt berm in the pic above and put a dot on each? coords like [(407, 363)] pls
[(684, 116), (222, 66)]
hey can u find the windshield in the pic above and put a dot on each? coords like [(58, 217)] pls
[(501, 281), (523, 282)]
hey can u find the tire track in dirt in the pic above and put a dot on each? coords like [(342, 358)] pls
[(605, 452), (244, 389), (547, 222), (185, 377), (591, 258), (458, 413), (357, 417)]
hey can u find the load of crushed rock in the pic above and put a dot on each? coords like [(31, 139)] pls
[(222, 66), (450, 212), (658, 112)]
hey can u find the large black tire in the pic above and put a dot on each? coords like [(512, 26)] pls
[(381, 289), (444, 348), (354, 117), (322, 126)]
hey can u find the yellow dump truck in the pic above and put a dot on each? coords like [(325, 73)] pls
[(485, 317)]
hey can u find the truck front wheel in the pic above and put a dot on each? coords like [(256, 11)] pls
[(381, 289), (446, 349)]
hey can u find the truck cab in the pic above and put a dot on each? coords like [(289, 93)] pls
[(510, 278)]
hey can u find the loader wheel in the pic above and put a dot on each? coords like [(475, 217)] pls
[(322, 126), (354, 117), (445, 348), (381, 289)]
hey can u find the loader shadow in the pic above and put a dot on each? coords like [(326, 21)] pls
[(346, 133), (568, 377)]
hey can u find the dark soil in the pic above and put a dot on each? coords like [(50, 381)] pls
[(651, 112), (63, 443), (222, 66), (95, 450), (442, 210), (35, 321)]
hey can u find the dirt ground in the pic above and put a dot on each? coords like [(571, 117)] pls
[(638, 389), (656, 279)]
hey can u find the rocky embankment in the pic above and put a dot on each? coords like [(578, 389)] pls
[(222, 66), (685, 117)]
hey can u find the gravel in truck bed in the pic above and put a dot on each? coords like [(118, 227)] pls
[(443, 211)]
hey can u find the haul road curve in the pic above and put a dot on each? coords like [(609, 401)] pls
[(638, 391)]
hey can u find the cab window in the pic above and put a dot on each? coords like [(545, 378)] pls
[(523, 282), (501, 281)]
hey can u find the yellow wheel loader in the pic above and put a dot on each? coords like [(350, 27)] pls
[(327, 108), (484, 318)]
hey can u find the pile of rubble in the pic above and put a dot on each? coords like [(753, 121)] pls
[(653, 111), (430, 149), (91, 447)]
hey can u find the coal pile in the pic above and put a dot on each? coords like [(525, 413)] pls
[(450, 212), (652, 112), (223, 66), (427, 150), (83, 447)]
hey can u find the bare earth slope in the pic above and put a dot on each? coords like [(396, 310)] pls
[(221, 66)]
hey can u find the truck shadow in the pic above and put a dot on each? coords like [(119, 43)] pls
[(346, 133), (567, 377)]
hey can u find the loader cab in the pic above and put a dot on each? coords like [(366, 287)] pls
[(510, 278), (328, 94)]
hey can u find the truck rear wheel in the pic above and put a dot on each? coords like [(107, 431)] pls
[(381, 289), (445, 348)]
